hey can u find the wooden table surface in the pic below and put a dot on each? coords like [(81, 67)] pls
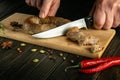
[(16, 66)]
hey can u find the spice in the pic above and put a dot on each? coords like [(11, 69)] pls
[(34, 50), (22, 44), (72, 61), (52, 57), (42, 51), (61, 54), (7, 44), (98, 64), (36, 60), (64, 58), (50, 52), (19, 50)]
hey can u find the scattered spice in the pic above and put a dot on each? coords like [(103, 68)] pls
[(78, 56), (22, 44), (64, 58), (42, 51), (51, 57), (19, 50), (7, 44), (61, 54), (50, 52), (34, 50), (36, 60), (72, 61)]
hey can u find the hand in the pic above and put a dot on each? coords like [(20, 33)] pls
[(46, 7), (106, 14)]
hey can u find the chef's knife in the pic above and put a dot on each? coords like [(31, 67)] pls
[(59, 31)]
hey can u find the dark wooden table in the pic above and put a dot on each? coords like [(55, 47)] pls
[(16, 66)]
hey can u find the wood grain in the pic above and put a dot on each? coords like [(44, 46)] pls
[(59, 43)]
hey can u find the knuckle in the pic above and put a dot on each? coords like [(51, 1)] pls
[(115, 24), (113, 5), (99, 24), (106, 27)]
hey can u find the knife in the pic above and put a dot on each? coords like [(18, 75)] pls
[(59, 31)]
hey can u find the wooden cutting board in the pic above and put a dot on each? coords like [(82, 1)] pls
[(58, 43)]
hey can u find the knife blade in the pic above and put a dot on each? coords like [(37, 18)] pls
[(59, 31)]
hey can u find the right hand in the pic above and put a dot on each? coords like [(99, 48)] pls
[(106, 14), (46, 7)]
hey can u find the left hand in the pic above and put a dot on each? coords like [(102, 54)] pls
[(46, 7), (106, 14)]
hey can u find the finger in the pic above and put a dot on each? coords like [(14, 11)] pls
[(33, 3), (92, 10), (99, 18), (116, 21), (54, 7), (38, 4), (109, 20), (28, 2), (45, 8)]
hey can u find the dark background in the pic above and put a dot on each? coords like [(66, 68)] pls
[(14, 66)]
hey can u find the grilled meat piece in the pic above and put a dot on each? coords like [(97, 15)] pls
[(74, 34), (83, 39), (34, 24), (96, 48)]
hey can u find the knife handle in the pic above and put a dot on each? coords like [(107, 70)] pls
[(89, 21)]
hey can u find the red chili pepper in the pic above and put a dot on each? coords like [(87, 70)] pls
[(93, 62), (101, 67)]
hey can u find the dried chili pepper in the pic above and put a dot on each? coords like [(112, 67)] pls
[(92, 63)]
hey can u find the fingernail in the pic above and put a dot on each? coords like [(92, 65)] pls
[(97, 27), (42, 15)]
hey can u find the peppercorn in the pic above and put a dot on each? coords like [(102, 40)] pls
[(19, 50)]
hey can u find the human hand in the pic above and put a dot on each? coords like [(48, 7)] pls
[(106, 14), (46, 7)]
